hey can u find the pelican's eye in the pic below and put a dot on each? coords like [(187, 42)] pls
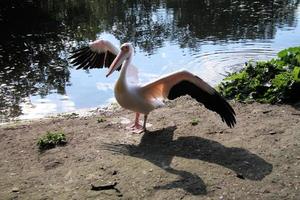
[(125, 48)]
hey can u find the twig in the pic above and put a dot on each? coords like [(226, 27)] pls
[(295, 113), (104, 187)]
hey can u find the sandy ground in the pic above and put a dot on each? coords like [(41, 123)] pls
[(258, 159)]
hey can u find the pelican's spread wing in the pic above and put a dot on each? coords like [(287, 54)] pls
[(185, 83), (98, 54)]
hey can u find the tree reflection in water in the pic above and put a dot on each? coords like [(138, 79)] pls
[(38, 34)]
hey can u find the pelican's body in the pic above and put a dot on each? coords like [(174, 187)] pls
[(144, 99), (130, 97)]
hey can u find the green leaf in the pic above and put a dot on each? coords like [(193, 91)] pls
[(281, 80), (236, 76), (296, 74)]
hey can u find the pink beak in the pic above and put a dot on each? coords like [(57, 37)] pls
[(116, 63)]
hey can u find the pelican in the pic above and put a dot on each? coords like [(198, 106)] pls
[(142, 99)]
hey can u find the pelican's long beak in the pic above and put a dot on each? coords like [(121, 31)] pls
[(116, 63)]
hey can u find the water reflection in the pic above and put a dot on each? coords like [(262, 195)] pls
[(38, 35)]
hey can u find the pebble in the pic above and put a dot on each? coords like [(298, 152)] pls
[(115, 172), (272, 132), (266, 191), (240, 176), (15, 189)]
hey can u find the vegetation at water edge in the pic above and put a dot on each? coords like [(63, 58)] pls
[(273, 81)]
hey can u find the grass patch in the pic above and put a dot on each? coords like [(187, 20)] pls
[(194, 122), (101, 120), (51, 140), (273, 81), (70, 115)]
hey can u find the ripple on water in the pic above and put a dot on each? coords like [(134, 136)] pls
[(213, 64)]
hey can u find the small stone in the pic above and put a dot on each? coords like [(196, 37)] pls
[(228, 173), (15, 189), (267, 111), (266, 191), (241, 176), (257, 111)]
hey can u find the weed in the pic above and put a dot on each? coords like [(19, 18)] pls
[(51, 140), (101, 120), (70, 115), (273, 81), (194, 122)]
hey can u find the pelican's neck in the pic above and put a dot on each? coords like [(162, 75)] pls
[(124, 68)]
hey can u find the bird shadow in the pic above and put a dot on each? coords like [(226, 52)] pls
[(296, 105), (159, 148)]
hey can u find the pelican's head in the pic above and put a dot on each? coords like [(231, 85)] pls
[(125, 53)]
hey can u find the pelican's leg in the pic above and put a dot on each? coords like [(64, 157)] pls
[(145, 121), (136, 124), (136, 127)]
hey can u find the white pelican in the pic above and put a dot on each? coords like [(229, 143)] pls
[(144, 99)]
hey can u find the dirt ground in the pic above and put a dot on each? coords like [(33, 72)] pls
[(258, 159)]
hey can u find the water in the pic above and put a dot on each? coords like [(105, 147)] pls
[(208, 38)]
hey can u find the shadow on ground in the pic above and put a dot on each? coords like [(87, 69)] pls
[(159, 148), (296, 105)]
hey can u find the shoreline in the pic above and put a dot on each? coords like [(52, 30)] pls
[(111, 107), (83, 112)]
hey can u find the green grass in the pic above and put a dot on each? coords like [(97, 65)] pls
[(273, 81), (101, 120), (194, 122), (51, 140)]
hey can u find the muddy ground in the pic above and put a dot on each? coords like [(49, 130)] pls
[(258, 159)]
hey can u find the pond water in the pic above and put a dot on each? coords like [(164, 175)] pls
[(206, 37)]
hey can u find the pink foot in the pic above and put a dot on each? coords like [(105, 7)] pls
[(138, 131), (135, 128)]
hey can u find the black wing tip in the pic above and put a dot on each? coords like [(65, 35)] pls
[(77, 53), (228, 114), (223, 108), (86, 58), (211, 100), (231, 122), (80, 49)]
